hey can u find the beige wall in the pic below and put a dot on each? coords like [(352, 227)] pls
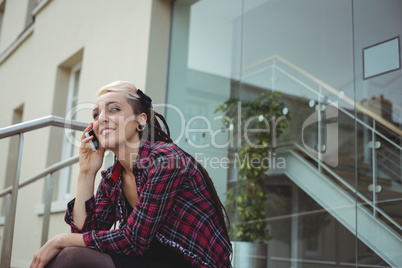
[(14, 19), (116, 40)]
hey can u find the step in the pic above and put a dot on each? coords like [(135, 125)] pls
[(349, 162), (346, 161), (387, 194), (350, 176), (391, 210), (396, 219), (390, 213)]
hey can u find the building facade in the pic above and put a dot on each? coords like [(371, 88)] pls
[(297, 102), (54, 64)]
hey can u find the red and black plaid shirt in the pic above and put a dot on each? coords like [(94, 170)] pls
[(174, 206)]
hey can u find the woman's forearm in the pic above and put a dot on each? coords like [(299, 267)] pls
[(85, 190), (52, 247), (66, 240)]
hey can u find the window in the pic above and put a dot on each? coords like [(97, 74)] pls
[(68, 147)]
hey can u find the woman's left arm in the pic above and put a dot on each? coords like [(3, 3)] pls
[(52, 247), (165, 172)]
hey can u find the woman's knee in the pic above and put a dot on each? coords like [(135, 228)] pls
[(65, 257), (80, 257)]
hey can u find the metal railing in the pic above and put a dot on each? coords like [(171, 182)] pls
[(11, 192), (272, 61)]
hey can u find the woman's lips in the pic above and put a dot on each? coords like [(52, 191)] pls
[(106, 131)]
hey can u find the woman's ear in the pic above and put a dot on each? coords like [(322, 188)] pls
[(142, 119)]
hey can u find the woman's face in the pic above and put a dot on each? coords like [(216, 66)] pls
[(115, 124)]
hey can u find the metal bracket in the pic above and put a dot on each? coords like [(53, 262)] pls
[(377, 144), (377, 189), (322, 149), (321, 107)]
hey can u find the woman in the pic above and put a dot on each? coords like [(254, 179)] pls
[(168, 211)]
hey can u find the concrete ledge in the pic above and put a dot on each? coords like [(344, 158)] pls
[(20, 39), (38, 8)]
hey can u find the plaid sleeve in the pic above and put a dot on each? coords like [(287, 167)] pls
[(164, 173), (99, 209), (89, 207)]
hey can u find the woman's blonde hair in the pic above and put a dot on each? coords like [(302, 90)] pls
[(125, 87), (128, 89)]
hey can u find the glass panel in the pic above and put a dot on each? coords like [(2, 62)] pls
[(303, 50), (378, 102), (321, 240), (303, 177), (204, 57), (388, 186)]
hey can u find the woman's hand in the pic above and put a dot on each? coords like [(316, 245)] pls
[(90, 161), (52, 247), (45, 254)]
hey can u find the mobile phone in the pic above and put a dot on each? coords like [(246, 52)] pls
[(94, 142)]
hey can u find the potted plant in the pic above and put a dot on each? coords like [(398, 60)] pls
[(246, 198)]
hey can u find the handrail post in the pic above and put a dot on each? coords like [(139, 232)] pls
[(6, 228), (374, 169), (10, 220), (400, 143), (319, 129), (47, 207)]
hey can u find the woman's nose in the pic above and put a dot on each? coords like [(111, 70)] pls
[(103, 117)]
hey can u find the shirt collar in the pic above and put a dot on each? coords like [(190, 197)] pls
[(116, 171)]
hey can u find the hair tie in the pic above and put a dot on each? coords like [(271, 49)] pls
[(144, 98)]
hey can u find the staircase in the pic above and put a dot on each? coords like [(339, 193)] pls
[(374, 172), (364, 190), (378, 172), (333, 196)]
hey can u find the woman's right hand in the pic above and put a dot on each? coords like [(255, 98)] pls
[(90, 161)]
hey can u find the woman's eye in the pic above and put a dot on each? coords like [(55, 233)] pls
[(114, 109), (95, 116)]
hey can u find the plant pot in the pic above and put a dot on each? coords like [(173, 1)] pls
[(249, 255)]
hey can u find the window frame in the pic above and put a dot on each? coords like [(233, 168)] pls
[(64, 191)]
